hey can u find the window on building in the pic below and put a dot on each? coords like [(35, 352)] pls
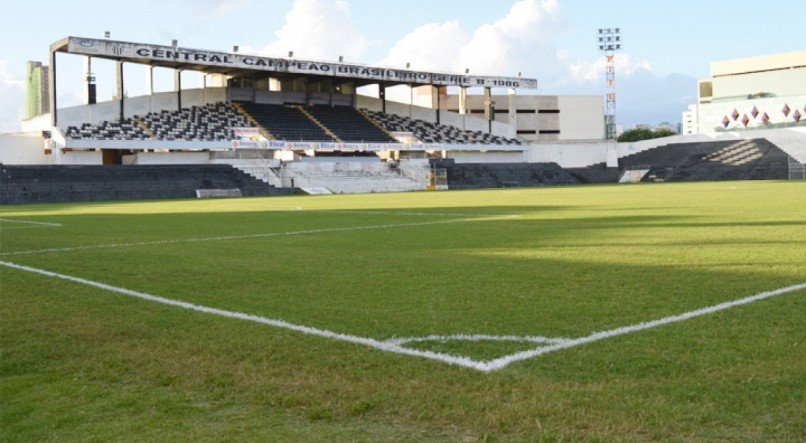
[(548, 111), (549, 131), (525, 131)]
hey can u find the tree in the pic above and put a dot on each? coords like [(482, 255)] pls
[(637, 134)]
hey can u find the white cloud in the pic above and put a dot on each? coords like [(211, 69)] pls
[(428, 47), (584, 71), (505, 46), (318, 29), (210, 9), (11, 98)]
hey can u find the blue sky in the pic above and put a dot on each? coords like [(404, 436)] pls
[(667, 44)]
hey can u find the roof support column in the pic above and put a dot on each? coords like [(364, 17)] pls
[(488, 108), (52, 89), (178, 88), (90, 96), (512, 107), (382, 96), (119, 88), (150, 80), (411, 101), (435, 91), (463, 99)]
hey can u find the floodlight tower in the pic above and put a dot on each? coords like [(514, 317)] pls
[(609, 43)]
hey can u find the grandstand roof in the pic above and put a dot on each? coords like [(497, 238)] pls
[(233, 63)]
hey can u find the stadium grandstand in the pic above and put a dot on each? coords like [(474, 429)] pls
[(268, 126)]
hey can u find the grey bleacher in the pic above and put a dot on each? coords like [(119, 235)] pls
[(503, 175), (755, 159), (211, 122), (65, 183), (126, 129), (348, 124), (428, 132), (286, 122)]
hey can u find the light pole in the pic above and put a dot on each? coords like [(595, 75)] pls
[(609, 43)]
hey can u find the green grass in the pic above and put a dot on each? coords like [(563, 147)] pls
[(83, 363)]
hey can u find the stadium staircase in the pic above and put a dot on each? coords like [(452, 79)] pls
[(350, 177), (263, 131), (503, 175), (51, 183), (287, 123), (327, 130)]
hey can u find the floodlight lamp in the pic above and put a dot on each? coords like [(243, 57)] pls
[(174, 43), (341, 58), (408, 65), (290, 53), (235, 48), (107, 34), (467, 70)]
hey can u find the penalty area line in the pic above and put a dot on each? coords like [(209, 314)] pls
[(499, 363), (370, 342)]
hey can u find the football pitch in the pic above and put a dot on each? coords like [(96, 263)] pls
[(658, 311)]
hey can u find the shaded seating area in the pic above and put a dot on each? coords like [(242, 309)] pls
[(286, 122), (65, 183), (503, 175), (756, 159), (348, 124)]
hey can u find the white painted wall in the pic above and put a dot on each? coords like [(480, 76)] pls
[(581, 117), (77, 158), (466, 122), (171, 158), (710, 115), (141, 105), (486, 157), (569, 155), (23, 148)]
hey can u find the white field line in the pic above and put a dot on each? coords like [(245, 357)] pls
[(377, 344), (391, 346), (3, 228), (245, 236), (418, 214), (29, 222), (477, 337), (499, 363)]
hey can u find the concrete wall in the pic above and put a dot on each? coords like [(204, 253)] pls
[(288, 97), (581, 117), (178, 158), (569, 155), (486, 157), (543, 118), (710, 115), (23, 148), (77, 115), (467, 122), (780, 83)]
